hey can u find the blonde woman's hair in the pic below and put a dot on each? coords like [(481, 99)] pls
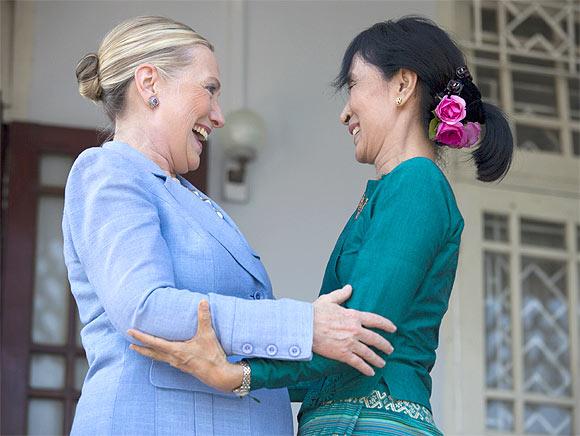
[(104, 76)]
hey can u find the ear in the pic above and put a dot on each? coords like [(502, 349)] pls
[(407, 84), (147, 81)]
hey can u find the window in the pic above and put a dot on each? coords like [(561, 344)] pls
[(526, 59), (528, 292)]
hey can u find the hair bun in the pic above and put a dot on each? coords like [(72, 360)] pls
[(87, 72)]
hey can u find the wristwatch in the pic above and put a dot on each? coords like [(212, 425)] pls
[(244, 388)]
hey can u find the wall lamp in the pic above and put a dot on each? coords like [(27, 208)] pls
[(242, 136)]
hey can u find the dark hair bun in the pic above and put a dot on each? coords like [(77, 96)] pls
[(87, 73)]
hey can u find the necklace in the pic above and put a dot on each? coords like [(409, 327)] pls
[(208, 202), (203, 198)]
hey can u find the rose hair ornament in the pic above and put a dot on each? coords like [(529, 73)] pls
[(459, 114)]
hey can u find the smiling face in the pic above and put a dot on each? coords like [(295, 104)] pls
[(189, 110), (369, 111)]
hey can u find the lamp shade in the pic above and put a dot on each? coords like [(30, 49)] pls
[(243, 133)]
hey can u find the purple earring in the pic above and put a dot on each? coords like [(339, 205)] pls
[(153, 102)]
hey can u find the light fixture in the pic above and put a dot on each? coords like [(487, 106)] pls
[(242, 136), (244, 132)]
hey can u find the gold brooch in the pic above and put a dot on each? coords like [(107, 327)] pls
[(361, 204)]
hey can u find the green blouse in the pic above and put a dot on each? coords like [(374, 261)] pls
[(399, 251)]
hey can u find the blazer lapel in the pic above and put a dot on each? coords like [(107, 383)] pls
[(224, 230), (221, 230)]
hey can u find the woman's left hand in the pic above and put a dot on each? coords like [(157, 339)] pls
[(202, 356)]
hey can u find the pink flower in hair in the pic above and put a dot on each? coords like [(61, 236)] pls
[(472, 132), (452, 135), (451, 109)]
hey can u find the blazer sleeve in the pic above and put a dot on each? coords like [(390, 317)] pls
[(410, 222), (111, 223)]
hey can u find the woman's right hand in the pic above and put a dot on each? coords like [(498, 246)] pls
[(343, 334), (201, 356)]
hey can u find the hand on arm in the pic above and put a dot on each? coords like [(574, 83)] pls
[(202, 356), (339, 332), (344, 335)]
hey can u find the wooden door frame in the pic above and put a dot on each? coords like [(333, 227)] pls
[(22, 145), (25, 142)]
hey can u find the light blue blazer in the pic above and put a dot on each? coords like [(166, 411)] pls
[(142, 249)]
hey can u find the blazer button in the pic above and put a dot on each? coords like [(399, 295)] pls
[(294, 350), (259, 295), (271, 350), (247, 348)]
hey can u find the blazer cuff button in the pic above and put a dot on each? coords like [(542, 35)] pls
[(294, 350), (247, 348)]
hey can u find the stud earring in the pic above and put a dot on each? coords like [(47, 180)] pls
[(153, 102), (399, 101)]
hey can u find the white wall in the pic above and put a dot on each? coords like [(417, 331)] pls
[(306, 183)]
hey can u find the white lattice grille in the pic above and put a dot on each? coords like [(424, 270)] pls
[(551, 420), (500, 415), (527, 60), (529, 289), (541, 29), (546, 346), (498, 330)]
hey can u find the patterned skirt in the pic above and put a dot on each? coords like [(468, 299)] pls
[(376, 414)]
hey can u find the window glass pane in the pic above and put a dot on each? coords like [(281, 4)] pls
[(547, 420), (54, 169), (546, 336), (534, 94), (47, 371), (574, 97), (45, 417), (500, 415), (81, 368), (538, 138), (51, 295), (495, 227), (578, 244), (498, 330), (543, 234), (531, 25), (489, 20), (576, 143)]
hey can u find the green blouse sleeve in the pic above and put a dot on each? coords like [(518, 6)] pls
[(410, 223)]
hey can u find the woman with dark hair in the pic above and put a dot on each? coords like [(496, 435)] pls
[(410, 94)]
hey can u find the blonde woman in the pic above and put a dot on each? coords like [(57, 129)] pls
[(143, 247)]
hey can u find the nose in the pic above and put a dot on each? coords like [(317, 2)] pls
[(216, 117), (345, 114)]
